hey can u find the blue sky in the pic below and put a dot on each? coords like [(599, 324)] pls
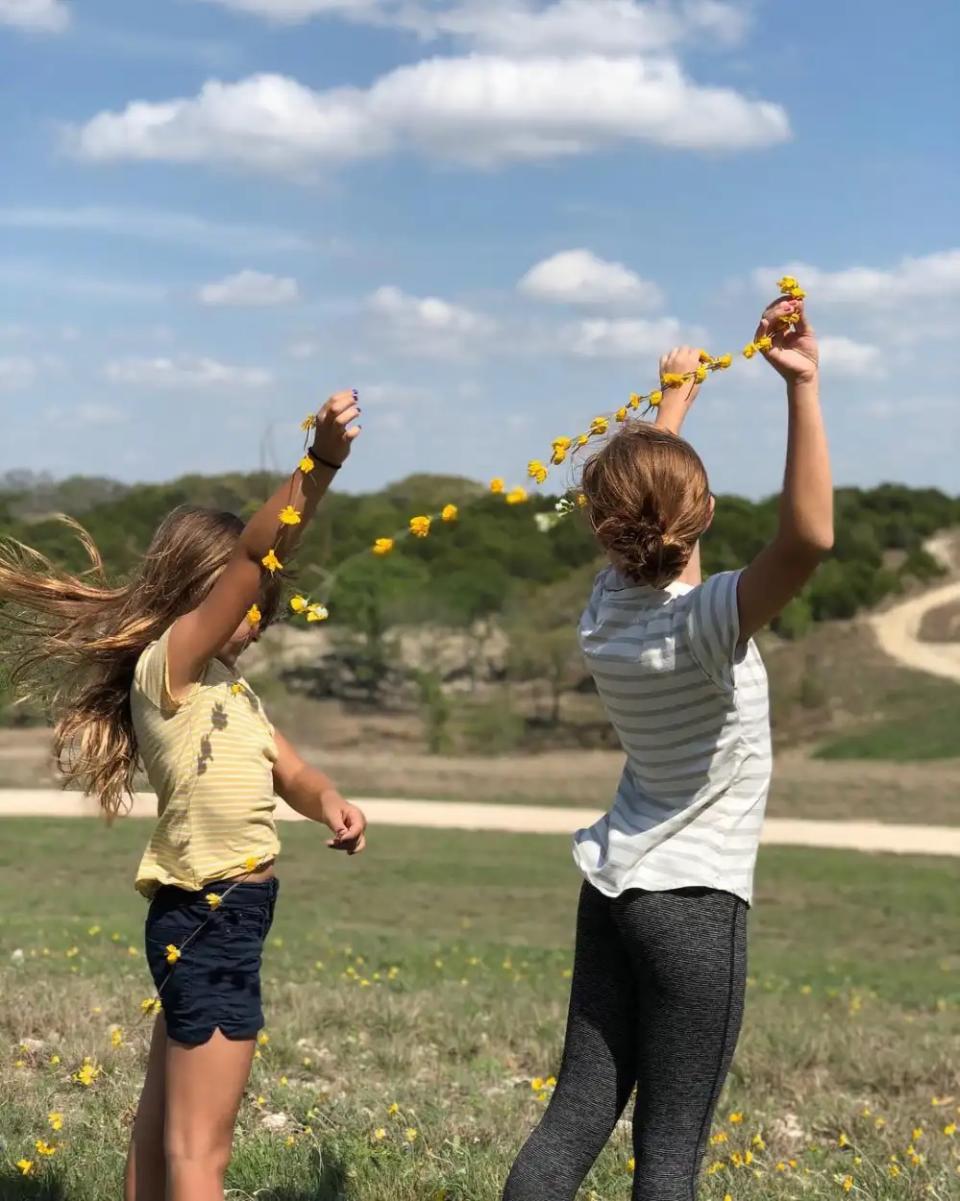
[(487, 215)]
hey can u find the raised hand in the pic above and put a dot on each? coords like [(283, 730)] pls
[(793, 350), (335, 432)]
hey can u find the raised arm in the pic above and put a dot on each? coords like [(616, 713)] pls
[(314, 794), (197, 637), (805, 532)]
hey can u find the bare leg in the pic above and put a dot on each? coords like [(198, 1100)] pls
[(146, 1174), (204, 1088)]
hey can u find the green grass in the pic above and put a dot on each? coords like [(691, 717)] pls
[(433, 974), (934, 734)]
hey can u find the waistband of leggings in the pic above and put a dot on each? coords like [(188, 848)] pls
[(242, 895)]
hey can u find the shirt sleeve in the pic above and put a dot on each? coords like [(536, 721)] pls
[(713, 627), (152, 675)]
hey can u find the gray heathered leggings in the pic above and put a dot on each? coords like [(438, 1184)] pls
[(656, 1002)]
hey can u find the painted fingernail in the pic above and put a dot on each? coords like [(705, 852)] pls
[(355, 394)]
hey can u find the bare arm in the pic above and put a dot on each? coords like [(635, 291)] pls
[(805, 532), (314, 794), (199, 635), (678, 401)]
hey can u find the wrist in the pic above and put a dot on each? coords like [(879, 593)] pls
[(324, 460)]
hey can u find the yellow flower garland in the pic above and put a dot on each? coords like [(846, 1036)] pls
[(562, 447)]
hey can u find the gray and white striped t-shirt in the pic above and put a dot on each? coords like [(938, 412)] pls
[(691, 709)]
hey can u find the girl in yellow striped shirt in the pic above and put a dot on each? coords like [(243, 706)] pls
[(148, 673)]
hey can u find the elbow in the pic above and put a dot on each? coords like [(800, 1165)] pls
[(809, 548), (821, 542)]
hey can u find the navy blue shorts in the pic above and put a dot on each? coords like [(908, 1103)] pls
[(215, 985)]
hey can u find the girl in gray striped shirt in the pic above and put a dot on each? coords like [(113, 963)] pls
[(660, 965)]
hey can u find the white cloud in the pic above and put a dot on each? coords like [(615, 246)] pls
[(528, 26), (184, 374), (481, 111), (16, 372), (621, 339), (37, 16), (427, 326), (580, 277), (159, 226), (928, 277), (250, 289), (844, 356)]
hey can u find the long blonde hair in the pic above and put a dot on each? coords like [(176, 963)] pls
[(73, 640)]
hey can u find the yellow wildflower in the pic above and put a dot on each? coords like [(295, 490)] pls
[(736, 1119), (599, 426), (717, 1166), (116, 1037), (843, 1141), (917, 1133), (749, 350), (720, 1137), (894, 1170), (449, 513), (383, 546), (705, 356), (786, 283), (298, 603), (25, 1167), (759, 1143), (950, 1129), (271, 562), (516, 496), (150, 1005), (44, 1148), (635, 399), (306, 464), (317, 612), (308, 423), (536, 471), (798, 293), (393, 1110), (214, 900), (56, 1121), (581, 500), (54, 1061), (789, 318), (621, 414), (290, 516), (497, 485), (86, 1074), (94, 931), (559, 456), (764, 343), (846, 1183), (250, 863), (420, 526), (671, 379), (411, 1134), (700, 374), (631, 1164), (582, 439), (263, 1038), (173, 953), (723, 362), (379, 1134), (654, 399)]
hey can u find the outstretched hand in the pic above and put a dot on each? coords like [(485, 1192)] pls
[(335, 430), (793, 351)]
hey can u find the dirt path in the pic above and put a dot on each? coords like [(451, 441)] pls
[(898, 629), (536, 819)]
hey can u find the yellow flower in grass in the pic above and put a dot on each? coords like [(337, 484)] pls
[(290, 516), (894, 1170), (263, 1038), (735, 1119), (718, 1165), (517, 496), (449, 513), (631, 1164), (393, 1110), (720, 1137), (420, 526), (379, 1134), (298, 603), (846, 1183), (306, 464), (497, 486), (843, 1141), (271, 562), (86, 1074), (116, 1037), (25, 1167), (56, 1121), (54, 1061), (383, 546), (214, 900), (917, 1133), (411, 1134), (150, 1006), (173, 953), (45, 1149), (318, 612), (950, 1129)]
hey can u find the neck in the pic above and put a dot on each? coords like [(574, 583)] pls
[(692, 573)]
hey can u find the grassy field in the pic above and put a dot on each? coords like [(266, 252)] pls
[(416, 1001)]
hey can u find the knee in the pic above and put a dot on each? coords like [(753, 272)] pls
[(194, 1150)]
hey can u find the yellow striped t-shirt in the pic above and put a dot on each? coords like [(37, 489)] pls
[(210, 760)]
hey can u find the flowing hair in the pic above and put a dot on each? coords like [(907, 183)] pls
[(73, 641)]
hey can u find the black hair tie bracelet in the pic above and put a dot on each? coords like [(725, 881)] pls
[(324, 462)]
